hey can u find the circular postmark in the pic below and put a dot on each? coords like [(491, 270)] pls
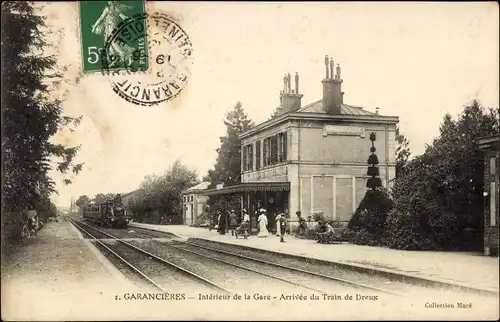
[(143, 41)]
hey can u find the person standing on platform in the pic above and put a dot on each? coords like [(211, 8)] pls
[(246, 223), (221, 223), (302, 224), (262, 224), (278, 226), (233, 222), (282, 224)]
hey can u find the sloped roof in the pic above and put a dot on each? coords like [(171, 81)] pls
[(201, 186), (317, 107), (125, 194)]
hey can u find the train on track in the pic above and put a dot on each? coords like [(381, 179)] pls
[(110, 213)]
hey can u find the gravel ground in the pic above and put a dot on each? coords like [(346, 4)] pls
[(410, 290), (232, 278), (151, 233)]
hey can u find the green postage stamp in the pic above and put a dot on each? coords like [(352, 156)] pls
[(113, 35)]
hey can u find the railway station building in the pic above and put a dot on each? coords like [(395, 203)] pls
[(312, 158), (194, 202), (490, 145)]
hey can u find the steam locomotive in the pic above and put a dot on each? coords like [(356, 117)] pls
[(110, 213)]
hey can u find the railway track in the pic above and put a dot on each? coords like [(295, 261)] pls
[(133, 232), (297, 278), (312, 281), (148, 256)]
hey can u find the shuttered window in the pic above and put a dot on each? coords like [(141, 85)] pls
[(257, 155), (250, 157), (285, 146), (244, 159)]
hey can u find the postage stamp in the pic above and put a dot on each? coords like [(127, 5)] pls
[(98, 22), (170, 50)]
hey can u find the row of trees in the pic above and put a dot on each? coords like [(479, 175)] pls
[(30, 116), (99, 198), (436, 199), (159, 198)]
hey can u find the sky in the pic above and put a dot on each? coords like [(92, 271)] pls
[(417, 61)]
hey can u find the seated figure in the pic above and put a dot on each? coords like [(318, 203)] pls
[(326, 234)]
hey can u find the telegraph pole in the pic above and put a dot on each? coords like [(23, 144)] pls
[(71, 206)]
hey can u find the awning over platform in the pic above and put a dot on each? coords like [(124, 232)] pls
[(249, 187)]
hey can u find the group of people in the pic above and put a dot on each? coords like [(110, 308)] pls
[(242, 227), (281, 225), (236, 225)]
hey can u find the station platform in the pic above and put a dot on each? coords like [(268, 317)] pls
[(58, 275), (458, 268)]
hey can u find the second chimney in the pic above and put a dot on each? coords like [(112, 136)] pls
[(332, 92), (291, 99)]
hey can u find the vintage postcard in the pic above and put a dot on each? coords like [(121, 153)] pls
[(250, 161)]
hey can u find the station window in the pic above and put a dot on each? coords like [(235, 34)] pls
[(265, 153), (275, 149), (248, 157), (244, 158)]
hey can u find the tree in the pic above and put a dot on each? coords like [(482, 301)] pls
[(82, 201), (30, 117), (367, 223), (402, 151), (227, 169), (163, 193), (102, 197), (439, 194), (46, 209), (373, 181)]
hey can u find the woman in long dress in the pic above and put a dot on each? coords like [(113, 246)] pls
[(262, 224), (109, 20), (278, 226)]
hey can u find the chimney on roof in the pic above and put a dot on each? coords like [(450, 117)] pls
[(290, 99), (332, 93)]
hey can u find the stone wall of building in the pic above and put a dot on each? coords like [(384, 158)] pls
[(492, 204), (320, 144), (193, 205)]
